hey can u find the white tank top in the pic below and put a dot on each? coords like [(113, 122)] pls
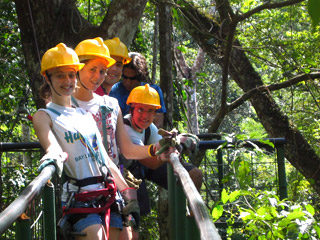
[(81, 161)]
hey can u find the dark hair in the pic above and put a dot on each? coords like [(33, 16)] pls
[(45, 91), (139, 64)]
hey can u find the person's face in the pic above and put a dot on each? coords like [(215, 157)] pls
[(114, 72), (93, 73), (63, 80), (143, 115), (129, 79)]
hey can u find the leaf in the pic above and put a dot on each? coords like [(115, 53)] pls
[(234, 195), (245, 215), (310, 209), (317, 228), (224, 196), (261, 211), (296, 215), (314, 12), (217, 212)]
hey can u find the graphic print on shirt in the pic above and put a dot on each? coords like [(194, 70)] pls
[(110, 132), (72, 137)]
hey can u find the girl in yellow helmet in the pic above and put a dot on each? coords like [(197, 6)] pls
[(107, 113), (67, 132)]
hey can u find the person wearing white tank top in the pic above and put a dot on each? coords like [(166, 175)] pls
[(66, 131)]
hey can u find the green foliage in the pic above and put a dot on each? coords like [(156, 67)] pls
[(264, 216), (249, 202), (15, 96), (93, 10), (314, 11)]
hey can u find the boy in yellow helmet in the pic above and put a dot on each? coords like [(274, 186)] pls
[(119, 52), (144, 102)]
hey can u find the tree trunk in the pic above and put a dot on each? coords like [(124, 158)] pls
[(186, 72), (166, 83), (210, 37)]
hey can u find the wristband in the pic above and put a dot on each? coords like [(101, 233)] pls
[(151, 151)]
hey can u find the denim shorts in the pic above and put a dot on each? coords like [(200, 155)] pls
[(95, 218), (89, 220), (115, 220)]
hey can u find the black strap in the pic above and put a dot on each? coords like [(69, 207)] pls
[(147, 131), (86, 181)]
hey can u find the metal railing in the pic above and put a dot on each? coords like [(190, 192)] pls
[(181, 226), (182, 191), (13, 212)]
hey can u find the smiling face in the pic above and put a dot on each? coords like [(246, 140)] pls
[(115, 71), (93, 73), (142, 115), (130, 79), (63, 80)]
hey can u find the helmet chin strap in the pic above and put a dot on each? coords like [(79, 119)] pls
[(49, 78), (78, 75)]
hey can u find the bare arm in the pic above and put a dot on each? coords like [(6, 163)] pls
[(152, 163), (121, 183), (42, 126)]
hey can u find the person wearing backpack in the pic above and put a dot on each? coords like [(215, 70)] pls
[(144, 102)]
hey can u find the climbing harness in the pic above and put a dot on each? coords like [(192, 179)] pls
[(97, 201)]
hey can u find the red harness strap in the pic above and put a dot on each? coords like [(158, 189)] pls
[(102, 200)]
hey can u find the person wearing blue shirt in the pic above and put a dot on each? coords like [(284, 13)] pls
[(136, 74)]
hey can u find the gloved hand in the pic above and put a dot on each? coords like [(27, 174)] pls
[(188, 144), (56, 159), (168, 140), (132, 207), (131, 180)]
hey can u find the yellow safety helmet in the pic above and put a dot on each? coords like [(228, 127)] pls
[(119, 49), (60, 56), (92, 48), (145, 95)]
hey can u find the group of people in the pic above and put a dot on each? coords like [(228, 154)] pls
[(99, 141)]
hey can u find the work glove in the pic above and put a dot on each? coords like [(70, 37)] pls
[(188, 144), (185, 143), (131, 180), (55, 159), (132, 207), (166, 145)]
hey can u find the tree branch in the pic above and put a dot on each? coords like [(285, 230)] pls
[(271, 87), (267, 5)]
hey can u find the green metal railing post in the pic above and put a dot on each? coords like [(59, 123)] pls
[(49, 212), (23, 229), (192, 230), (171, 201), (282, 173), (180, 212), (220, 169)]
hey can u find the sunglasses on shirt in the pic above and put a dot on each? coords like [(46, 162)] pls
[(131, 78)]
